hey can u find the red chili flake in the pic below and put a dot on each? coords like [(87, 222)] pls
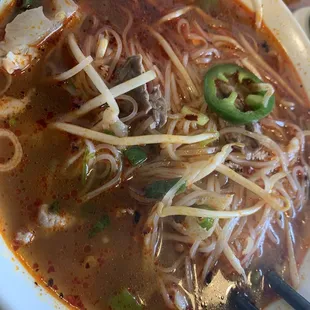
[(50, 115), (74, 193), (66, 197), (100, 261), (87, 248), (35, 266), (55, 287), (41, 123), (18, 133), (50, 269), (248, 170), (38, 202), (75, 301), (76, 281), (191, 117)]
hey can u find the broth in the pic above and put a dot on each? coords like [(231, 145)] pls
[(85, 270)]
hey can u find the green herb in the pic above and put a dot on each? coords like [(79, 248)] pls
[(54, 207), (136, 155), (208, 222), (12, 121), (159, 189), (88, 210), (124, 301), (85, 169), (100, 226), (109, 132)]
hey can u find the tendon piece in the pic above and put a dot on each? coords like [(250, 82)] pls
[(24, 237), (50, 219)]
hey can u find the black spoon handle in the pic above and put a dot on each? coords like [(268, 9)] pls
[(286, 291), (241, 301)]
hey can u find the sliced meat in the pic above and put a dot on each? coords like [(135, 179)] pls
[(159, 106), (132, 68), (154, 101)]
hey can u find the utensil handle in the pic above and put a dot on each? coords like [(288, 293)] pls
[(293, 298)]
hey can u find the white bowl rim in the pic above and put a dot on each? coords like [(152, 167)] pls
[(15, 278)]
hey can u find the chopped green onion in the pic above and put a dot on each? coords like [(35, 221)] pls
[(136, 155), (88, 210), (159, 189), (12, 121), (54, 207), (85, 169), (100, 226), (124, 301), (202, 119), (206, 223)]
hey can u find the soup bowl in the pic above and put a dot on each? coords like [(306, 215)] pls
[(18, 289)]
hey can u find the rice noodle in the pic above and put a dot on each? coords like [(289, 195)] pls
[(18, 151), (75, 70), (270, 71), (93, 74), (267, 142), (175, 14), (134, 105), (254, 188), (126, 30), (175, 60), (104, 187)]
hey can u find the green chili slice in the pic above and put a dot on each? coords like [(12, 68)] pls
[(136, 155), (159, 189), (207, 222), (240, 81)]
